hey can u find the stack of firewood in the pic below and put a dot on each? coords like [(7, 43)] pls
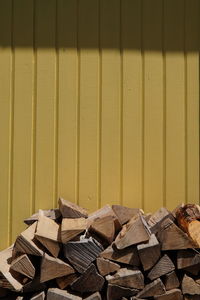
[(114, 253)]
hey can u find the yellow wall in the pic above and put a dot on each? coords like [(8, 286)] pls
[(98, 104)]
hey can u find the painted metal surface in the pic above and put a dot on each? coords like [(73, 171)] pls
[(99, 103)]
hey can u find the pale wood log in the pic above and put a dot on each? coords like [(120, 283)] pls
[(149, 252), (134, 232), (57, 294), (171, 281), (104, 228), (53, 267), (65, 281), (52, 246), (53, 214), (89, 281), (47, 228), (127, 278), (24, 266), (106, 266), (115, 292), (158, 217), (163, 266), (154, 288), (174, 294), (38, 296), (71, 210), (70, 228), (82, 253), (189, 286), (95, 296), (124, 214)]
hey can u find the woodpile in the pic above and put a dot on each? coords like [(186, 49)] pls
[(114, 253)]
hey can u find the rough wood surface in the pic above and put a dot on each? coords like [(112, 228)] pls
[(124, 214), (104, 227), (70, 228), (23, 265), (187, 258), (189, 286), (53, 267), (47, 228), (127, 278), (39, 296), (174, 294), (154, 288), (53, 214), (71, 210), (163, 266), (65, 281), (158, 217), (89, 281), (149, 252), (115, 292), (106, 266), (57, 294), (171, 281), (95, 296), (127, 256), (52, 246), (82, 253), (134, 232)]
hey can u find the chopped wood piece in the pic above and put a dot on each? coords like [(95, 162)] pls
[(163, 266), (104, 227), (57, 294), (172, 237), (6, 278), (95, 296), (152, 289), (71, 210), (124, 214), (187, 258), (127, 278), (171, 281), (70, 228), (127, 256), (89, 281), (53, 267), (82, 253), (52, 246), (158, 217), (65, 281), (149, 252), (47, 228), (174, 294), (53, 214), (134, 232), (189, 286), (38, 296), (24, 266), (106, 266), (26, 242), (115, 292)]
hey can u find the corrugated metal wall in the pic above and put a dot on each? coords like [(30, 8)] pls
[(99, 103)]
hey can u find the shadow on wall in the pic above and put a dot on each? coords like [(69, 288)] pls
[(168, 25)]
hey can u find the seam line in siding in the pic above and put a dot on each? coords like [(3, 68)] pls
[(185, 104), (121, 106)]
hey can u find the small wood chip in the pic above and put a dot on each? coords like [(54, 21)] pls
[(171, 281)]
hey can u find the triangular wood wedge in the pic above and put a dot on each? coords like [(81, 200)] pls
[(172, 237), (171, 281), (116, 292), (158, 217), (47, 228), (152, 289), (163, 266), (71, 210), (106, 266), (189, 286), (124, 214), (26, 242), (52, 246), (70, 228), (89, 281), (174, 294), (104, 228), (134, 232), (128, 278), (126, 256), (53, 267), (24, 266)]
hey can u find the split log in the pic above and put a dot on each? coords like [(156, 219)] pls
[(163, 266), (127, 278), (24, 266), (174, 294), (53, 267), (193, 270), (188, 218), (149, 252), (95, 296), (89, 281), (26, 242), (70, 228), (104, 228), (189, 286), (124, 214), (53, 214), (171, 281), (57, 294), (187, 258), (154, 288), (172, 237), (71, 210), (65, 281), (126, 256), (158, 217), (134, 232), (38, 296), (52, 246), (47, 228), (106, 266), (82, 253), (115, 292)]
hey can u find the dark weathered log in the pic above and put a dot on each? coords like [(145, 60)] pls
[(171, 281), (106, 266), (52, 246), (189, 286), (127, 278), (82, 253), (174, 294), (163, 266), (71, 210), (53, 214), (53, 267), (89, 281), (124, 214), (70, 228), (47, 228), (149, 252), (57, 294), (115, 292), (154, 288), (158, 217), (23, 265), (65, 281)]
